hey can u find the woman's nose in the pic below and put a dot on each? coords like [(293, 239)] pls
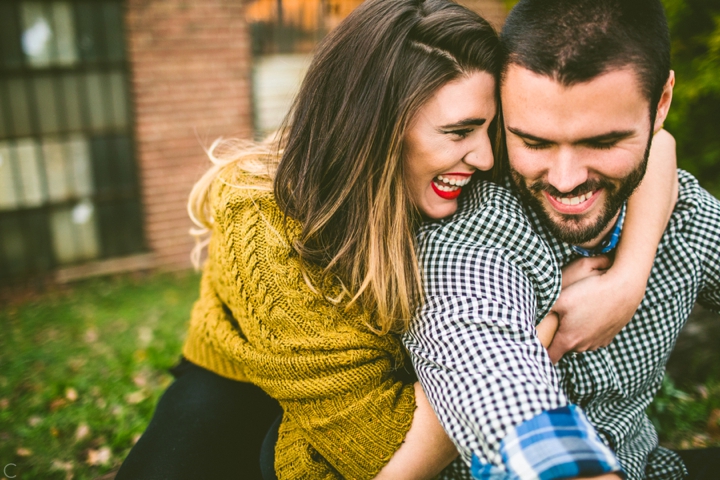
[(481, 156)]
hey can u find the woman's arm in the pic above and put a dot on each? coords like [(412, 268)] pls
[(587, 319), (426, 449)]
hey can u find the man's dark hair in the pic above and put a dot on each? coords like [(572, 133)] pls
[(574, 41)]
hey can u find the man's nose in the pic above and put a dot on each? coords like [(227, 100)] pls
[(566, 171)]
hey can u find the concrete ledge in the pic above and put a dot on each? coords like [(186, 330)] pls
[(144, 261)]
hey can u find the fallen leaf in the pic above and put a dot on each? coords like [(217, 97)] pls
[(57, 404), (54, 432), (71, 394), (140, 380), (60, 465), (91, 335), (135, 397), (713, 423), (23, 452), (699, 440), (145, 336), (82, 432), (4, 403), (34, 421), (66, 467), (99, 457)]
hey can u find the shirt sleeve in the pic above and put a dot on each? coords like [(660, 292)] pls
[(555, 444), (484, 371), (706, 239)]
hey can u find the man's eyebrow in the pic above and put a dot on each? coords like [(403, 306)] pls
[(605, 137), (527, 136), (474, 122)]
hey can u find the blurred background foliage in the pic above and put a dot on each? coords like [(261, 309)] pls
[(694, 118)]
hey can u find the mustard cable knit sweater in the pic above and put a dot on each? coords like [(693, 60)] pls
[(345, 413)]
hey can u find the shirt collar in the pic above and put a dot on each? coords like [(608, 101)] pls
[(608, 243)]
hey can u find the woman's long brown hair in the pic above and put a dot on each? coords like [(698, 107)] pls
[(341, 170)]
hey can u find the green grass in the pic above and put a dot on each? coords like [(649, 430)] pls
[(687, 418), (82, 368)]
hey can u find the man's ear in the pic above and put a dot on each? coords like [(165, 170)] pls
[(664, 104)]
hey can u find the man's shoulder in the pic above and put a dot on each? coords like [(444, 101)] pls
[(489, 237), (490, 216), (696, 208)]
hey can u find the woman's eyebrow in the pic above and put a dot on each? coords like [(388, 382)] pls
[(475, 122)]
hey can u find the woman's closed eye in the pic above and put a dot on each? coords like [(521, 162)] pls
[(460, 133)]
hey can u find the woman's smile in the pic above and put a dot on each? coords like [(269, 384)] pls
[(449, 185)]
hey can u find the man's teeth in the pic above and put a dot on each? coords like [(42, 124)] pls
[(574, 200), (451, 181)]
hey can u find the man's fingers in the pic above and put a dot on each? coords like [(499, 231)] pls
[(584, 267)]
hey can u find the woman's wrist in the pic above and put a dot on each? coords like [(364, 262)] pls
[(628, 284)]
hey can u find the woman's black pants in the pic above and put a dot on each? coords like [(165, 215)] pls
[(204, 427)]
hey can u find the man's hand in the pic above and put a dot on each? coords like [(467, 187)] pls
[(595, 304)]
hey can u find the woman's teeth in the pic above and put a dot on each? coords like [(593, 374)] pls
[(574, 200), (447, 184)]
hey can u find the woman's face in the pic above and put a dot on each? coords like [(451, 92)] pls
[(448, 141)]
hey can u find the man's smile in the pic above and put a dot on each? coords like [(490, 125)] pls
[(573, 205)]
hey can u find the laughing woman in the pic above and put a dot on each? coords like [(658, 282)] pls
[(311, 269)]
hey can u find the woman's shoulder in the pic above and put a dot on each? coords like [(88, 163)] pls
[(232, 185), (235, 196)]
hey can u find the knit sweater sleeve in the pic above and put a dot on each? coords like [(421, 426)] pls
[(345, 412)]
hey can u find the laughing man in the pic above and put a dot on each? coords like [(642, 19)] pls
[(584, 86)]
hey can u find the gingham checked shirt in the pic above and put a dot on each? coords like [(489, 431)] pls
[(491, 272)]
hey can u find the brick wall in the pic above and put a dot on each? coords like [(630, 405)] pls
[(190, 64), (191, 69)]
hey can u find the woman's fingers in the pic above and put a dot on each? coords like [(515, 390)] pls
[(547, 328)]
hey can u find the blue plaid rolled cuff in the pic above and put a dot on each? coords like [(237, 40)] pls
[(553, 445)]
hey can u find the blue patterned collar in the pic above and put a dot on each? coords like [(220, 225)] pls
[(608, 243)]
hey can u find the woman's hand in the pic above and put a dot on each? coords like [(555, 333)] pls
[(426, 451), (595, 304), (547, 328)]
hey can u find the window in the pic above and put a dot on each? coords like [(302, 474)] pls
[(68, 181), (284, 33)]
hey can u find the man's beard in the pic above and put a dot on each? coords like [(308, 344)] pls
[(570, 228)]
